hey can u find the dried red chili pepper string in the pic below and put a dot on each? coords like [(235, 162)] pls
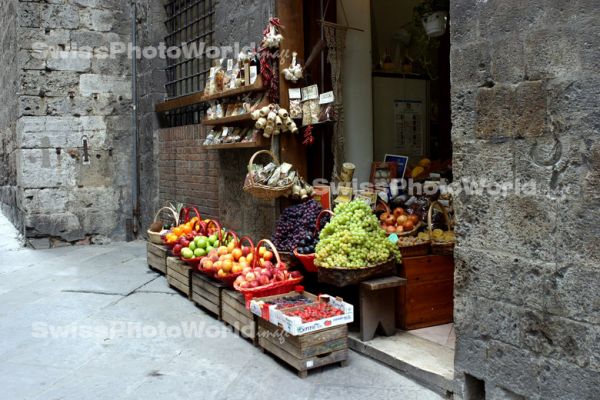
[(308, 136), (269, 65)]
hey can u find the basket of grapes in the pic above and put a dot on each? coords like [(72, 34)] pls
[(353, 247), (305, 252)]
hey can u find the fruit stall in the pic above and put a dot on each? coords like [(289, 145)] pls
[(341, 257)]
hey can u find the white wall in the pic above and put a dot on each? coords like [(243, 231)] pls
[(357, 91)]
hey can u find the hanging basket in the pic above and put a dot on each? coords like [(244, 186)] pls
[(155, 237), (435, 23), (260, 191), (440, 247)]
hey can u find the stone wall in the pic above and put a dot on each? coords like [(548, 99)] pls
[(9, 78), (524, 91), (151, 80), (66, 95)]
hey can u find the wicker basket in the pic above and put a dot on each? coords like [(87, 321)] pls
[(260, 191), (155, 237), (413, 232), (421, 249), (438, 247), (308, 260), (341, 277)]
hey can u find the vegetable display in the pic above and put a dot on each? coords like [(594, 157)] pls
[(353, 239)]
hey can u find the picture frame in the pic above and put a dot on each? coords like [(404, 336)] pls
[(382, 174), (402, 162)]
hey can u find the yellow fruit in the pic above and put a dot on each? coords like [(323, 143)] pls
[(417, 171), (425, 162)]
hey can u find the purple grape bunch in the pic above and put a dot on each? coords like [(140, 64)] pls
[(295, 224)]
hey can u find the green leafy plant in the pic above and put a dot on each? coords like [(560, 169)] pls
[(424, 46)]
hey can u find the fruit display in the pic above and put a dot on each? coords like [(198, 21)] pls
[(314, 312), (353, 239), (309, 243), (196, 244), (286, 302), (186, 230), (399, 221), (410, 241), (295, 225), (228, 261), (266, 270)]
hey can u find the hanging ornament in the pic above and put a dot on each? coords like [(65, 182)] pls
[(294, 71)]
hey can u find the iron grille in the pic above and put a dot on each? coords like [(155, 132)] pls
[(189, 22)]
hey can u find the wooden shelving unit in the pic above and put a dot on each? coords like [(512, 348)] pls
[(234, 120), (197, 98), (259, 141)]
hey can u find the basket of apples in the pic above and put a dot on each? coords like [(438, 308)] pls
[(226, 263), (305, 252), (399, 221), (267, 276), (199, 247)]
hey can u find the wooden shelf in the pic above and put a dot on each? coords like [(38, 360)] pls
[(258, 141), (199, 97), (236, 119)]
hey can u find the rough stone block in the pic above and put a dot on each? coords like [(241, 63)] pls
[(493, 392), (50, 37), (30, 60), (32, 105), (97, 20), (529, 109), (43, 168), (494, 113), (507, 63), (504, 277), (28, 15), (64, 132), (565, 381), (39, 201), (93, 83), (65, 225), (77, 61), (470, 64), (550, 52), (53, 83), (60, 16), (512, 367)]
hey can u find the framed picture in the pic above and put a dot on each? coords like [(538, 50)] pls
[(402, 162), (382, 174)]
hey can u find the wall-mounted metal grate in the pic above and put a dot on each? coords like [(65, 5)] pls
[(190, 24)]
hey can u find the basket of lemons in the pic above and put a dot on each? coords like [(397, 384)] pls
[(442, 242)]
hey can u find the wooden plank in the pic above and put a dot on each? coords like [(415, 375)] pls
[(302, 352), (157, 263), (427, 268), (207, 284), (213, 298), (235, 119), (425, 304), (202, 301), (291, 15), (177, 265), (310, 339), (302, 364), (236, 301), (243, 327), (196, 98), (383, 283), (177, 276), (243, 318), (156, 249), (178, 285)]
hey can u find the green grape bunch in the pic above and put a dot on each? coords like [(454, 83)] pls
[(353, 239)]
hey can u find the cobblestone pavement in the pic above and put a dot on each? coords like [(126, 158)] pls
[(93, 322)]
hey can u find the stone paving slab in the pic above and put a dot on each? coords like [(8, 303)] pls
[(80, 293)]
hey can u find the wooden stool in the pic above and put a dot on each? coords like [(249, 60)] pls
[(378, 306)]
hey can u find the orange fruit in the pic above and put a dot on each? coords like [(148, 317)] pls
[(187, 229), (178, 231)]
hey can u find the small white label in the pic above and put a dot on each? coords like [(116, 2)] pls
[(253, 74), (326, 98), (213, 72), (295, 93), (229, 64), (309, 364), (310, 92)]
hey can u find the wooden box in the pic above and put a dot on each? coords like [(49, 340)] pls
[(235, 314), (179, 275), (157, 257), (307, 351), (427, 299), (206, 292)]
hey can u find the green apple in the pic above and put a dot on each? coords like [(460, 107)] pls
[(199, 252), (209, 249), (192, 246), (187, 253), (202, 242)]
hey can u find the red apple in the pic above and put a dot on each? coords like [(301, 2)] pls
[(295, 274), (250, 276), (253, 284), (263, 280), (245, 250), (177, 249)]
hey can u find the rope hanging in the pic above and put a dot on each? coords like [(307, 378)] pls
[(335, 38)]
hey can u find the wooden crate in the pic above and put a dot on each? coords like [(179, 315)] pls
[(305, 352), (179, 275), (157, 257), (427, 299), (235, 314), (206, 292)]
